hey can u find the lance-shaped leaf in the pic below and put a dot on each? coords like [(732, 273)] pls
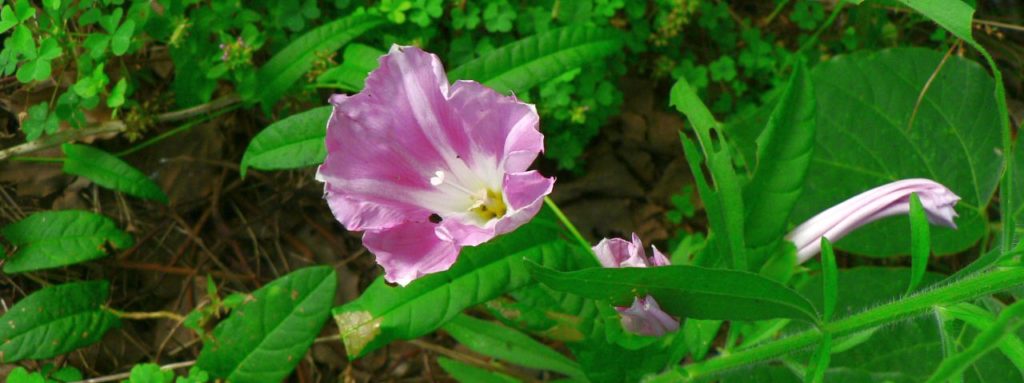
[(784, 151), (288, 65), (57, 238), (294, 142), (685, 291), (111, 172), (265, 338), (507, 344), (519, 66), (384, 313), (55, 320)]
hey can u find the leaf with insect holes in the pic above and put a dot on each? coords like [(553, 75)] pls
[(55, 320), (51, 239), (110, 172)]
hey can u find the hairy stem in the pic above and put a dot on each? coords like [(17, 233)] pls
[(970, 287)]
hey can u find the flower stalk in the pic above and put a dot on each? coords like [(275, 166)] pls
[(970, 287)]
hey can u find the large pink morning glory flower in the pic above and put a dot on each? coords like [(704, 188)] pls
[(424, 168), (883, 201), (644, 317)]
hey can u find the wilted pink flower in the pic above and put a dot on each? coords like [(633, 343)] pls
[(644, 317), (425, 169), (883, 201)]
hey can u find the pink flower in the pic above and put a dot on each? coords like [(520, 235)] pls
[(424, 168), (644, 317), (883, 201)]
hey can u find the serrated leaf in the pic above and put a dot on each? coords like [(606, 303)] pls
[(58, 238), (384, 313), (293, 142), (509, 345), (519, 66), (685, 291), (122, 38), (55, 320), (784, 151), (111, 172), (264, 339), (289, 64), (464, 373)]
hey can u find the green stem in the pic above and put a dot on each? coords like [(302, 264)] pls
[(567, 223), (172, 132), (964, 289)]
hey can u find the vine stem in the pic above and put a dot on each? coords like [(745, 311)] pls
[(970, 287), (147, 315), (567, 223)]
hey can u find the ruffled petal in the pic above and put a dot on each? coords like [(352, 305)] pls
[(504, 131), (659, 259), (645, 317), (409, 251), (617, 252), (526, 188)]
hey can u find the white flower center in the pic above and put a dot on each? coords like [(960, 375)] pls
[(484, 204)]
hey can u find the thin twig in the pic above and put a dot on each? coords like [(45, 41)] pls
[(126, 375), (469, 359), (928, 84), (198, 109), (62, 137), (147, 315)]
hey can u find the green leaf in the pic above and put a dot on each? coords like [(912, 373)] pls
[(507, 344), (685, 291), (819, 361), (519, 66), (920, 239), (116, 98), (359, 61), (981, 319), (22, 42), (96, 43), (864, 104), (49, 49), (724, 203), (699, 335), (264, 339), (40, 120), (109, 22), (384, 313), (24, 10), (904, 352), (34, 70), (955, 16), (784, 151), (293, 142), (289, 64), (830, 278), (464, 373), (1008, 322), (21, 375), (110, 172), (150, 373), (51, 239), (55, 320), (122, 38), (89, 86), (7, 18)]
